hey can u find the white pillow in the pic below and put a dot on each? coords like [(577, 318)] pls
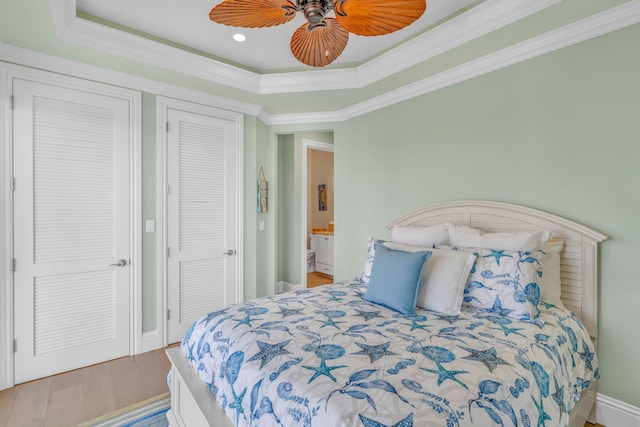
[(428, 237), (466, 237), (550, 288), (444, 278)]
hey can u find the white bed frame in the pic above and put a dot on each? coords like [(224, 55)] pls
[(193, 405)]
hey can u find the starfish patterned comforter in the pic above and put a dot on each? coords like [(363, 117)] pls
[(326, 357)]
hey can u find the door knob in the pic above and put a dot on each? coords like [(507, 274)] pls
[(121, 263), (229, 252)]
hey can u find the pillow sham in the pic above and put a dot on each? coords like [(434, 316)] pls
[(428, 236), (550, 287), (505, 282), (466, 237), (371, 252), (444, 278), (395, 277)]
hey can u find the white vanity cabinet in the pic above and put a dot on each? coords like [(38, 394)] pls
[(322, 244)]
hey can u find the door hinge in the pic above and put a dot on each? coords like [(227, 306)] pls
[(168, 189), (13, 102), (167, 127), (168, 314), (12, 183), (168, 252), (15, 345), (13, 265)]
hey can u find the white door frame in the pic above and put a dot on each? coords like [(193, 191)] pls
[(163, 104), (314, 145), (7, 73)]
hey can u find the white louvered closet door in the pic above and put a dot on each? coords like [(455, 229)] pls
[(201, 218), (71, 222)]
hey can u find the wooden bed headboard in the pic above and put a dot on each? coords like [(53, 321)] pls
[(579, 256)]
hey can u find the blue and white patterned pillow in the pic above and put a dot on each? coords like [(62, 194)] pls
[(505, 282), (368, 262)]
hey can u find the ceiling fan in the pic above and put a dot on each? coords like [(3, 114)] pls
[(322, 39)]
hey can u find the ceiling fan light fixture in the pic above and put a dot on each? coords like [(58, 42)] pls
[(239, 37), (321, 40), (314, 11)]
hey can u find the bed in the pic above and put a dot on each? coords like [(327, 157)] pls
[(332, 356)]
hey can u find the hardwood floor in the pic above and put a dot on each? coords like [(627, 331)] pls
[(318, 279), (81, 395), (77, 396)]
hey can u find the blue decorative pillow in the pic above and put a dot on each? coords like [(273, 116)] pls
[(506, 282), (395, 278)]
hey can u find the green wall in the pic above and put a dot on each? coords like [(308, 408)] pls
[(289, 235), (149, 143), (560, 133)]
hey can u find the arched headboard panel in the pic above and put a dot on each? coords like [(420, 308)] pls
[(579, 266)]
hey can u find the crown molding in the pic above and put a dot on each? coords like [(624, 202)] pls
[(43, 61), (73, 29), (478, 21), (602, 23), (613, 19)]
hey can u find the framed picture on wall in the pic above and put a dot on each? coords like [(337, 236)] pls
[(322, 197)]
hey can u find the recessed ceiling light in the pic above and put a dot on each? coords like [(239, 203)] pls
[(239, 37)]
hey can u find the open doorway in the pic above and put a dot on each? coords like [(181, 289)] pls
[(317, 213)]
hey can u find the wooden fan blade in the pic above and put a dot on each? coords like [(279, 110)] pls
[(377, 17), (253, 13), (319, 45)]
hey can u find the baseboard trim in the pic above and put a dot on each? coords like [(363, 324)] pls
[(612, 412), (282, 286)]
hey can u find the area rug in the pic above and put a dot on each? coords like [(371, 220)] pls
[(150, 413)]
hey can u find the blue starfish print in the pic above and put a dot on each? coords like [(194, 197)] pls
[(445, 374), (286, 312), (329, 322), (488, 357), (237, 404), (375, 352), (246, 321), (508, 330), (542, 415), (587, 356), (368, 315), (558, 397), (190, 353), (405, 422), (414, 325), (269, 351), (497, 308), (497, 255), (323, 369)]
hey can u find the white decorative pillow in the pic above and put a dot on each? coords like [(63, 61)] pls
[(550, 288), (462, 236), (505, 282), (444, 278), (428, 237)]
